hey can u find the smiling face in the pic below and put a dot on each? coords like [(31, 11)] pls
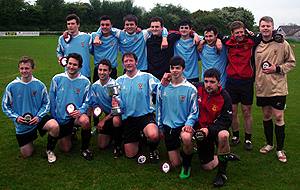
[(130, 27), (103, 72), (210, 37), (156, 28), (266, 29), (73, 67), (105, 27), (185, 31), (238, 34), (25, 70), (176, 72)]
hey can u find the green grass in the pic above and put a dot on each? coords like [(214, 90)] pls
[(255, 171)]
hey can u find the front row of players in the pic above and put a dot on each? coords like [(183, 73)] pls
[(178, 105)]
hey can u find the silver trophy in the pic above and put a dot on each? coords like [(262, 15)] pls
[(165, 167), (70, 108), (97, 111), (27, 117), (63, 61), (114, 91)]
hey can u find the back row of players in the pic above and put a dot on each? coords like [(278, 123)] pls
[(178, 102)]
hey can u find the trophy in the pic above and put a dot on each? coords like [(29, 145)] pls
[(63, 61), (265, 65), (114, 91), (97, 111), (70, 108), (165, 167), (27, 117)]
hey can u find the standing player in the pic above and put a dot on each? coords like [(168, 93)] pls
[(211, 56), (135, 100), (108, 49), (76, 42), (177, 112), (273, 61), (26, 102), (67, 94), (99, 96), (187, 49)]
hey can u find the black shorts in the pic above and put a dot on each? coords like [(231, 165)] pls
[(107, 128), (66, 129), (133, 127), (26, 138), (172, 137), (206, 149), (277, 102), (240, 91)]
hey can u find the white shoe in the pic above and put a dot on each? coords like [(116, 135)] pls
[(51, 156), (281, 156), (265, 149)]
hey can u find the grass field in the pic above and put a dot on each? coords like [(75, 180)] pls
[(255, 171)]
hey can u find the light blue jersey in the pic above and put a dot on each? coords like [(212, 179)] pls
[(136, 94), (176, 105), (63, 91), (98, 95), (211, 59), (79, 44), (188, 51), (107, 50), (20, 98), (135, 43)]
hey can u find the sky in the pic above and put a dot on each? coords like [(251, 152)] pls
[(283, 11)]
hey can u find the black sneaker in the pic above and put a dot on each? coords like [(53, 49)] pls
[(248, 145), (154, 156), (219, 180), (235, 140), (117, 152), (232, 157), (87, 154)]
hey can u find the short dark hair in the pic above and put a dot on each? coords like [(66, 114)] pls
[(104, 17), (211, 28), (75, 56), (212, 73), (157, 19), (131, 17), (26, 59), (177, 60), (266, 19), (185, 22), (236, 25), (73, 16), (129, 54), (105, 62)]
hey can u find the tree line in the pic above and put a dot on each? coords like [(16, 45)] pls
[(45, 15)]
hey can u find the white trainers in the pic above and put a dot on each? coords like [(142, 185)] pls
[(51, 156), (265, 149), (281, 156)]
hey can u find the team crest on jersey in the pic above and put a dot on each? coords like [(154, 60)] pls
[(77, 90), (34, 93), (182, 98), (82, 44), (214, 108), (140, 85)]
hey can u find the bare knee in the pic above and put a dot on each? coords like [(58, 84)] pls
[(223, 136)]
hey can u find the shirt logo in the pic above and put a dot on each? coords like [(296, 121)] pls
[(82, 44), (77, 90), (140, 85), (214, 108), (34, 93), (182, 98)]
